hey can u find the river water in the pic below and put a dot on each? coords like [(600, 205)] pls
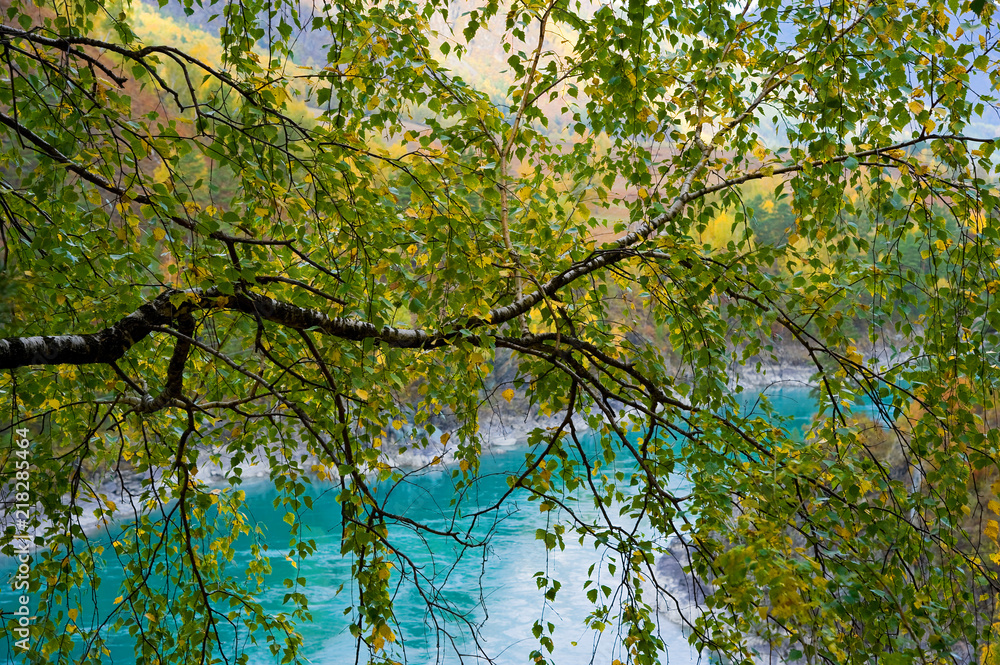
[(495, 583)]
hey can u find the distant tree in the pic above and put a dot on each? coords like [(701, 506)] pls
[(358, 271)]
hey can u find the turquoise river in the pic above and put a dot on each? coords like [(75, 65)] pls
[(499, 578)]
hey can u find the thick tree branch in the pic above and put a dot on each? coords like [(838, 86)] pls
[(112, 343), (175, 370)]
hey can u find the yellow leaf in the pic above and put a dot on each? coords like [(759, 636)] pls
[(382, 635), (159, 234), (508, 394), (362, 394), (119, 599), (445, 438), (992, 530), (72, 614)]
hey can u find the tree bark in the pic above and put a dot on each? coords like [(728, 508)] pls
[(111, 343)]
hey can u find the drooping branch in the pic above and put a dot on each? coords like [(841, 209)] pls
[(175, 307), (113, 342), (75, 46), (621, 248), (50, 151)]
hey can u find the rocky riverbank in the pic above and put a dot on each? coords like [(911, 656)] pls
[(681, 596)]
